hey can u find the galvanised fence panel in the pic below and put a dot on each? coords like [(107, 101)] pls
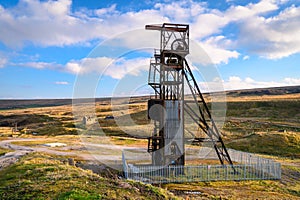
[(155, 174), (249, 167)]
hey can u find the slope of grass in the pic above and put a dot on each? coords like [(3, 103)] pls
[(272, 143), (235, 190), (278, 109), (40, 176)]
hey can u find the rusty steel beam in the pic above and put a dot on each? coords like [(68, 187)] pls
[(168, 27)]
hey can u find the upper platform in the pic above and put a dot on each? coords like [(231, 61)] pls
[(174, 37), (168, 27)]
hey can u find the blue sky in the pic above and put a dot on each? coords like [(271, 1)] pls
[(49, 49)]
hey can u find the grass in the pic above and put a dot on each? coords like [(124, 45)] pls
[(40, 176), (128, 141), (252, 125), (271, 109), (67, 139), (43, 121), (246, 126), (4, 151), (271, 143), (235, 190), (290, 178), (245, 117), (54, 130)]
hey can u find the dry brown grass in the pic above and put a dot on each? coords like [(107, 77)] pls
[(286, 97), (246, 128)]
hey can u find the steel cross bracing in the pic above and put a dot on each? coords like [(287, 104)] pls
[(167, 74), (175, 37), (204, 119), (154, 76)]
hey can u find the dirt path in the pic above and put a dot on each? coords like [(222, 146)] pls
[(19, 151)]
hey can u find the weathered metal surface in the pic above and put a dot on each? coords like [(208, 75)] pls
[(168, 72)]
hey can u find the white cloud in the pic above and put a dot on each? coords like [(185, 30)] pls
[(119, 68), (234, 79), (88, 65), (249, 80), (181, 11), (235, 82), (208, 24), (123, 67), (61, 83), (135, 39), (54, 23), (105, 11), (115, 68), (274, 37), (3, 62), (292, 81), (211, 51), (39, 65), (263, 6), (240, 13), (217, 51), (246, 57), (45, 23)]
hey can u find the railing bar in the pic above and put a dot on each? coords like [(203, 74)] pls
[(253, 168)]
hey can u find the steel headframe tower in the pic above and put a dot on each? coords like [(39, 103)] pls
[(168, 70)]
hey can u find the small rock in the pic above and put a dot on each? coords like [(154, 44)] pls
[(71, 161)]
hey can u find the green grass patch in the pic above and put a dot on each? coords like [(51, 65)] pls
[(53, 130), (235, 190), (79, 195), (41, 176), (278, 144), (128, 141), (282, 109), (140, 117), (25, 119)]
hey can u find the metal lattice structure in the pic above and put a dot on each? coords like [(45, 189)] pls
[(167, 75)]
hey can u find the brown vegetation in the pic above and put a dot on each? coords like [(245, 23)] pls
[(263, 121)]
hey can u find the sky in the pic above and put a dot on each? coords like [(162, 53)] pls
[(99, 48)]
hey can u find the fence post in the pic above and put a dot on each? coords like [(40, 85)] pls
[(125, 167), (226, 173), (279, 167), (245, 172), (241, 161), (208, 167)]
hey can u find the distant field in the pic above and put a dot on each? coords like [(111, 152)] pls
[(237, 95), (249, 114), (263, 121)]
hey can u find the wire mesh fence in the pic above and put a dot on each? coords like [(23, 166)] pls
[(248, 167)]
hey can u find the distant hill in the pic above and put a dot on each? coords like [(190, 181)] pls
[(32, 103), (265, 91)]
